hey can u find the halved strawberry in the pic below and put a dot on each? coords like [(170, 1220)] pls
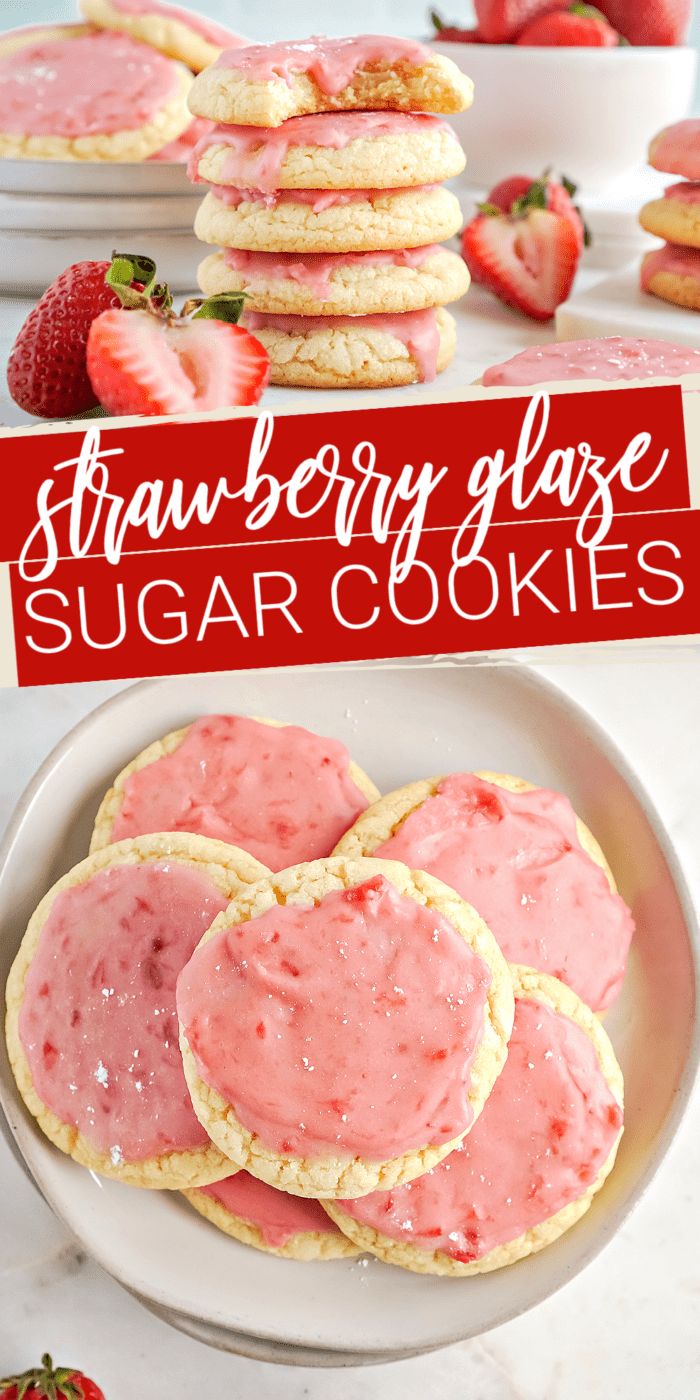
[(529, 263), (143, 359)]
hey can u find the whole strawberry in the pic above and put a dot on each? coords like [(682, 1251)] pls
[(45, 1383), (47, 374), (143, 359), (662, 22), (580, 26), (501, 21)]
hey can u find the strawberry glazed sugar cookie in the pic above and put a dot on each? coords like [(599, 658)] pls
[(608, 357), (333, 151), (327, 221), (676, 149), (266, 84), (178, 33), (256, 1214), (14, 39), (530, 1167), (98, 96), (521, 856), (276, 790), (342, 1025), (337, 284), (676, 217), (673, 274), (91, 1027), (355, 352)]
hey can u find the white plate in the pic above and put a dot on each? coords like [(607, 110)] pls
[(399, 723), (93, 177)]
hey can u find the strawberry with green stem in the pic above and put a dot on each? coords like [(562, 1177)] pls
[(45, 1383), (144, 359), (578, 26), (524, 244)]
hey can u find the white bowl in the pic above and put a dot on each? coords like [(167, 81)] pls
[(399, 723), (588, 113)]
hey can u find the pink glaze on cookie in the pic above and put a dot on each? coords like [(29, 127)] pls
[(417, 330), (283, 794), (255, 154), (314, 270), (277, 1214), (676, 259), (318, 199), (99, 83), (349, 1025), (517, 859), (677, 149), (98, 1024), (608, 358), (213, 33), (332, 63), (686, 192), (548, 1126), (181, 149)]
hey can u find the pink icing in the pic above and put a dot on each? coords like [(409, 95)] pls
[(674, 258), (331, 62), (98, 83), (548, 1126), (283, 794), (98, 1023), (181, 148), (609, 358), (279, 1215), (318, 199), (677, 149), (687, 192), (417, 330), (517, 858), (315, 269), (349, 1025), (213, 33), (256, 153)]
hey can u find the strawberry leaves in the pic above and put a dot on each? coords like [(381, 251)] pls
[(43, 1381)]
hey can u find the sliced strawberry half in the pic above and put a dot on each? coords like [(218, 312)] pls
[(527, 263), (138, 364)]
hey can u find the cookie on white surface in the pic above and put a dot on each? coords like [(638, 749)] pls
[(266, 84), (290, 1227)]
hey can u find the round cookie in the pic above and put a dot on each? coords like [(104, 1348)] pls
[(14, 39), (676, 149), (371, 1010), (229, 777), (379, 221), (337, 284), (333, 151), (607, 357), (267, 84), (97, 96), (547, 1137), (291, 1227), (523, 858), (176, 32), (355, 352), (673, 274), (91, 1029), (676, 217)]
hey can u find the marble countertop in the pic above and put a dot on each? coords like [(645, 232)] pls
[(626, 1327)]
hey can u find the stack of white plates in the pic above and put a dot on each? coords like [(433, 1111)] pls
[(54, 213)]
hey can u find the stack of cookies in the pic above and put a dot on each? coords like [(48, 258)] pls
[(325, 169), (673, 272)]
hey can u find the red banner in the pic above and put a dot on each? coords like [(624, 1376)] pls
[(167, 547)]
